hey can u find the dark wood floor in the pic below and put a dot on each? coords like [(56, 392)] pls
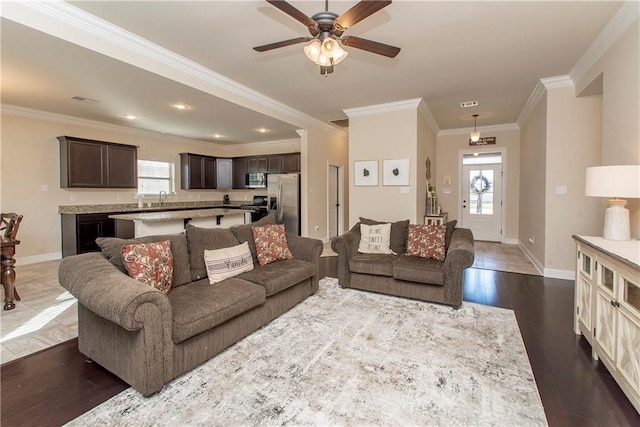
[(56, 385)]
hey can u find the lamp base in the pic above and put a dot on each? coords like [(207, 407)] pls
[(616, 221)]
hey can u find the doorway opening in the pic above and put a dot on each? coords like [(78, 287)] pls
[(482, 192), (334, 201)]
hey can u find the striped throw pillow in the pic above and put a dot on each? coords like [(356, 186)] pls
[(227, 262)]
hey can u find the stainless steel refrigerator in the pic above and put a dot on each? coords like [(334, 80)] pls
[(283, 191)]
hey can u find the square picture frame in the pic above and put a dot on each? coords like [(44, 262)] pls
[(395, 172), (365, 173)]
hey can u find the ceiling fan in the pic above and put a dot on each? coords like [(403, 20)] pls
[(326, 29)]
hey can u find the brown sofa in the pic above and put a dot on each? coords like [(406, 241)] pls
[(402, 275), (148, 338)]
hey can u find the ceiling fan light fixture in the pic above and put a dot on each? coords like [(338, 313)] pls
[(475, 135), (312, 50)]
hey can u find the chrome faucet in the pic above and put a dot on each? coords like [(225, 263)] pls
[(160, 197)]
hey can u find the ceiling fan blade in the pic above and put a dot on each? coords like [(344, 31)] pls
[(293, 12), (283, 43), (358, 12), (371, 46)]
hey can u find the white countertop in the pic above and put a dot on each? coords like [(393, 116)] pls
[(628, 250), (182, 214)]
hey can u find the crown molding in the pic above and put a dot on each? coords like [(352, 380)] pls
[(66, 15), (542, 86), (626, 15), (94, 124), (409, 104), (483, 129), (423, 108)]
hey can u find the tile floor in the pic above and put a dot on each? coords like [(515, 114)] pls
[(47, 314), (501, 257)]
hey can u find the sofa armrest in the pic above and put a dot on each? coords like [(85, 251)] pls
[(106, 291), (305, 248), (460, 254), (346, 246)]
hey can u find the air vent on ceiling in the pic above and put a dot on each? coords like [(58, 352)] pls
[(343, 123), (468, 104), (85, 100)]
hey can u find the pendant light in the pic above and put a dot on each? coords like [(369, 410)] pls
[(475, 135)]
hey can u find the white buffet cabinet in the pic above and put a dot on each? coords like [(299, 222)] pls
[(172, 222), (607, 307)]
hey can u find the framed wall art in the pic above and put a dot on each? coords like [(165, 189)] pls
[(365, 173), (395, 172)]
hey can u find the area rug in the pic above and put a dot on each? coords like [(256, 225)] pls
[(348, 357)]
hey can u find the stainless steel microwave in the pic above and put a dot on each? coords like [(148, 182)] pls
[(256, 180)]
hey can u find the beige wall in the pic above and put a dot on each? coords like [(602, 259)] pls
[(533, 153), (573, 143), (321, 147), (381, 136), (620, 69), (30, 181), (448, 149)]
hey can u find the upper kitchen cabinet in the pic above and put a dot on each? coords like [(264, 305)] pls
[(284, 163), (197, 172), (240, 172), (257, 164), (86, 163), (224, 172)]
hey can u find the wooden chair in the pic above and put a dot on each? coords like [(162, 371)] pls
[(10, 223)]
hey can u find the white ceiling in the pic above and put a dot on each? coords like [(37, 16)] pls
[(493, 52)]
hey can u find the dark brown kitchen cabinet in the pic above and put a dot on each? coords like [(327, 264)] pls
[(275, 164), (198, 172), (87, 163), (239, 173), (80, 231), (290, 163), (257, 164)]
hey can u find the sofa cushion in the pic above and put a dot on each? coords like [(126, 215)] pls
[(199, 306), (150, 263), (420, 270), (271, 243), (200, 239), (426, 241), (398, 233), (451, 225), (244, 233), (112, 249), (280, 275), (375, 239), (227, 262), (378, 264)]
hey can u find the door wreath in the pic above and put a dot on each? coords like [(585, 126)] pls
[(480, 185)]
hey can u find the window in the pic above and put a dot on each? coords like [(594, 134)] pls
[(154, 177)]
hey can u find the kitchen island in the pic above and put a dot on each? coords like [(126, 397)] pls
[(167, 222)]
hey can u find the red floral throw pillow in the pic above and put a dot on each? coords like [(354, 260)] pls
[(426, 241), (271, 243), (150, 263)]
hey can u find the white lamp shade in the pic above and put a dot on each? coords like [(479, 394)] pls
[(613, 181)]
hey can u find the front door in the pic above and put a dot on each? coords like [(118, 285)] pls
[(482, 201)]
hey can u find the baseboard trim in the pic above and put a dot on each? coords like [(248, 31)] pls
[(510, 241), (537, 264), (33, 259), (555, 273)]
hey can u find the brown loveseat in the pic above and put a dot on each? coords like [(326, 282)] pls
[(148, 338), (402, 275)]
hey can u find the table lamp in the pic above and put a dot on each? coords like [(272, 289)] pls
[(614, 182)]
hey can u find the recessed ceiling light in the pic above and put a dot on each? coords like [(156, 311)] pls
[(181, 106), (262, 130), (129, 117), (216, 136)]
